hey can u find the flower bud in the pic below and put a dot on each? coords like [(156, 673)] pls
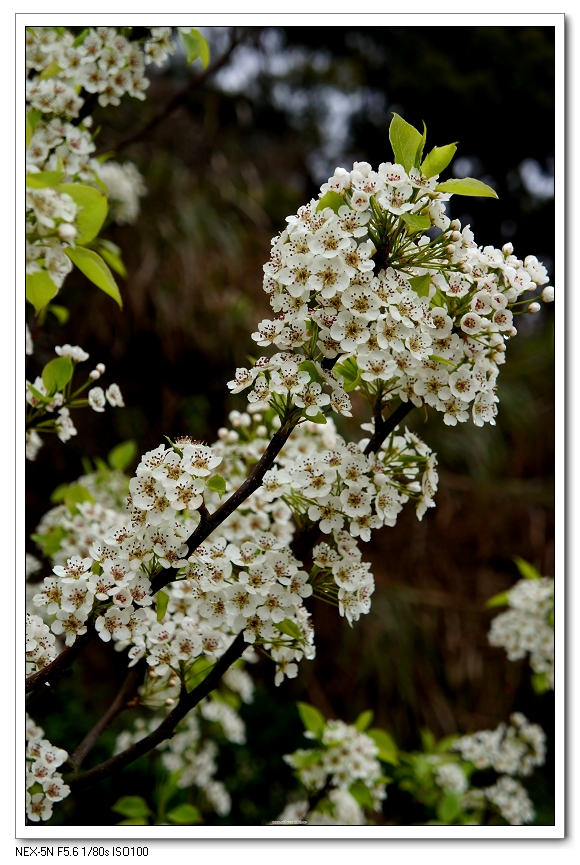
[(262, 431), (548, 294), (455, 236), (222, 432), (455, 225), (232, 437), (101, 367), (66, 232), (500, 347), (172, 682), (94, 375), (258, 417), (507, 248), (169, 701), (450, 250), (466, 268), (512, 331), (534, 308), (152, 674)]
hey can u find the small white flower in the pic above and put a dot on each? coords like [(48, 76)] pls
[(96, 398)]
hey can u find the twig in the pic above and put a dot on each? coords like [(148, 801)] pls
[(180, 96), (252, 482), (126, 691), (385, 426), (167, 727)]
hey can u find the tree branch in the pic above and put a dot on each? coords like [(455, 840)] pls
[(167, 727), (125, 693), (181, 96), (250, 485), (385, 426)]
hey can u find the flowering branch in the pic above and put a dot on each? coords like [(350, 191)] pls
[(166, 729)]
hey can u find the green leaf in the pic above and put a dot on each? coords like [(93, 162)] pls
[(184, 815), (349, 371), (406, 142), (217, 484), (309, 367), (50, 71), (122, 455), (448, 807), (312, 719), (428, 741), (361, 794), (317, 418), (438, 159), (93, 208), (309, 758), (76, 495), (56, 374), (51, 541), (32, 119), (500, 600), (331, 199), (61, 313), (134, 821), (161, 604), (388, 751), (111, 253), (40, 289), (58, 494), (416, 222), (364, 720), (131, 806), (421, 146), (526, 569), (42, 179), (290, 628), (466, 186), (81, 37), (421, 284), (195, 46), (540, 683), (438, 359), (95, 269)]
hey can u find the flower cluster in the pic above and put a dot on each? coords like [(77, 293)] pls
[(528, 626), (514, 750), (40, 644), (345, 769), (52, 392), (245, 576), (44, 785), (356, 276), (64, 205)]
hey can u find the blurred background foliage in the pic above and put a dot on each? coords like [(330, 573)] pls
[(240, 153)]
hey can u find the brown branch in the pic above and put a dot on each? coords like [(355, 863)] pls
[(181, 96), (385, 426), (187, 701), (208, 524), (126, 692), (167, 727), (252, 483)]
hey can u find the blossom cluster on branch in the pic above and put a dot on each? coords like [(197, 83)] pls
[(527, 627), (343, 782)]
